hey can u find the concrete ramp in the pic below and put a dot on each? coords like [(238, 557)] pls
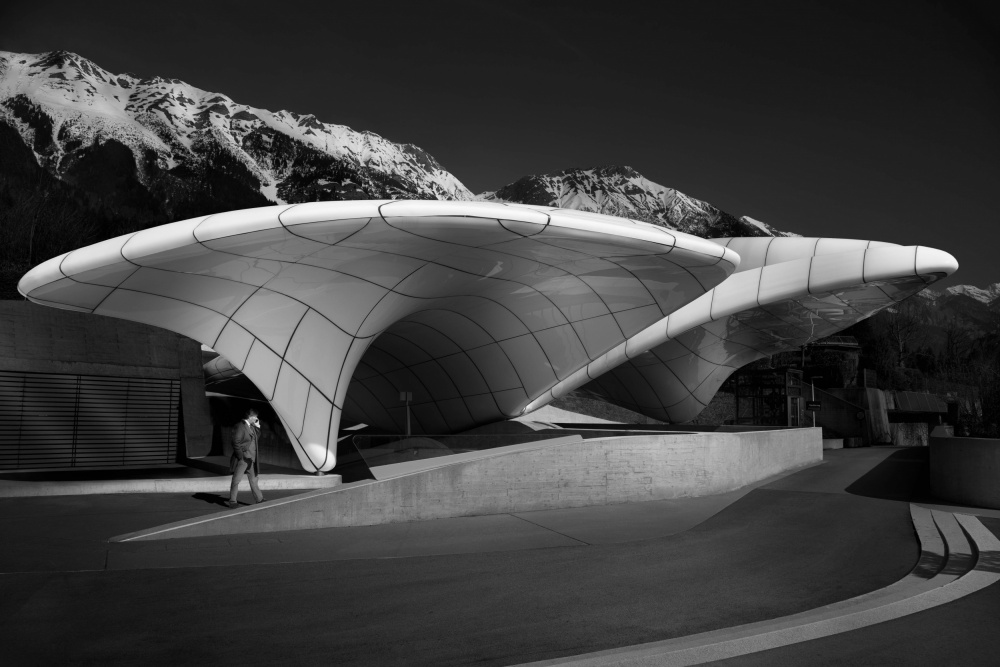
[(550, 474)]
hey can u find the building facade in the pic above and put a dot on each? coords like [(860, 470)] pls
[(478, 312)]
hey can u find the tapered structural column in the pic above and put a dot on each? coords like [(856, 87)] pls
[(478, 309)]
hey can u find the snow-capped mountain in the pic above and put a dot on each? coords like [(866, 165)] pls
[(163, 146), (988, 296), (624, 192), (191, 144)]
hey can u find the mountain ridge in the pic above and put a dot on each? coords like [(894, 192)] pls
[(622, 191), (65, 106), (121, 152), (989, 296), (195, 152)]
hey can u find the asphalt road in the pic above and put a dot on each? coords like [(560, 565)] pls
[(963, 632), (799, 543)]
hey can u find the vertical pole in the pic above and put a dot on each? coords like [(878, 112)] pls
[(406, 396), (812, 383)]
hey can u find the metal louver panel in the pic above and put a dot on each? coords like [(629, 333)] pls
[(50, 420)]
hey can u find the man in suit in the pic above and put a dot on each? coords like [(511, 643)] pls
[(244, 458)]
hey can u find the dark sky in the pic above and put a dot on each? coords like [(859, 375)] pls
[(876, 120)]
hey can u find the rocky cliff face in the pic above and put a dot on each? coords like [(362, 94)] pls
[(162, 142), (989, 296), (86, 154), (161, 149), (624, 192), (974, 308)]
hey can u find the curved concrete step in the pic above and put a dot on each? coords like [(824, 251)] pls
[(958, 556)]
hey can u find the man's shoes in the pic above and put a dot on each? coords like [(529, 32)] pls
[(261, 500), (232, 504)]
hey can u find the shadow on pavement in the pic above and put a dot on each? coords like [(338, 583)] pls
[(211, 498), (903, 475)]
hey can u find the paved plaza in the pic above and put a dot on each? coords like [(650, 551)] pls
[(492, 590)]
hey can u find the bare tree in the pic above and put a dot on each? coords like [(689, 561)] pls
[(956, 348), (900, 324)]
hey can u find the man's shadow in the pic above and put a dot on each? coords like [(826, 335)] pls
[(212, 498)]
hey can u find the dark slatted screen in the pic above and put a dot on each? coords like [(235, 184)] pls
[(59, 421)]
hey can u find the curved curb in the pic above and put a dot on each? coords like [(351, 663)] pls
[(218, 484), (958, 556)]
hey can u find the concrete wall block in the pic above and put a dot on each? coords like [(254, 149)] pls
[(37, 339), (592, 472), (37, 333), (966, 470), (877, 418)]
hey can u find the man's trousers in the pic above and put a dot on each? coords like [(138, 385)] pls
[(251, 472)]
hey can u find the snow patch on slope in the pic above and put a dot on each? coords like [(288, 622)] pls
[(987, 295), (622, 191), (179, 123)]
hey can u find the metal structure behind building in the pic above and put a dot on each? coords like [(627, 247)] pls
[(769, 397)]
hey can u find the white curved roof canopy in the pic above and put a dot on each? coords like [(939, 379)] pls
[(478, 309), (786, 293)]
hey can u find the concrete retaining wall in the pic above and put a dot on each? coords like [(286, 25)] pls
[(39, 339), (876, 418), (966, 470), (534, 476)]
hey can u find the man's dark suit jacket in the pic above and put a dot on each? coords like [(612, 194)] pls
[(244, 444)]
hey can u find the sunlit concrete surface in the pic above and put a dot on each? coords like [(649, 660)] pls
[(558, 473), (174, 479)]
